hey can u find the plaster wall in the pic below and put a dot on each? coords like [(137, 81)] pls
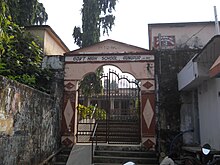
[(209, 112), (48, 41), (110, 47), (188, 33), (28, 124), (53, 62), (51, 47), (192, 75), (187, 74), (190, 118)]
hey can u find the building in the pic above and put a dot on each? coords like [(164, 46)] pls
[(191, 35), (49, 40), (199, 84), (198, 81), (53, 47)]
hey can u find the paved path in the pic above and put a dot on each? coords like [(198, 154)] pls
[(80, 155)]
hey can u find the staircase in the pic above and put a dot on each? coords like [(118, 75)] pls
[(118, 132), (119, 154), (119, 142), (62, 157)]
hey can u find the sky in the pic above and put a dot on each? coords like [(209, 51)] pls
[(132, 17)]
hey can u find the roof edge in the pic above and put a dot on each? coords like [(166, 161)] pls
[(70, 52), (212, 39), (180, 23), (50, 30)]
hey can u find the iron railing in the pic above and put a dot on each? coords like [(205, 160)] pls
[(94, 137)]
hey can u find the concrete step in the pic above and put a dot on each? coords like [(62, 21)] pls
[(66, 150), (59, 163), (117, 159), (120, 164), (118, 124), (118, 131), (119, 139), (107, 164), (126, 153), (119, 154), (104, 147), (62, 157)]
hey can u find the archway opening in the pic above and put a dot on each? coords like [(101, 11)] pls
[(112, 99)]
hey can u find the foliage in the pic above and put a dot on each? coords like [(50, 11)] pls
[(91, 84), (26, 12), (20, 54), (85, 112), (167, 62), (96, 14)]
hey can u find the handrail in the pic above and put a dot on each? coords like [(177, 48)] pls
[(92, 138), (93, 112), (46, 161), (94, 130)]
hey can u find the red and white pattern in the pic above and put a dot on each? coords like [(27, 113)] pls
[(68, 114)]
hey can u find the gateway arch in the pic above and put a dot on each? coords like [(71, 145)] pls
[(137, 61)]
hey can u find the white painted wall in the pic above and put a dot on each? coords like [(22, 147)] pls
[(52, 46), (192, 75), (49, 41), (209, 112), (187, 74)]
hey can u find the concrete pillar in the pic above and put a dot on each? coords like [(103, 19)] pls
[(148, 115), (69, 113)]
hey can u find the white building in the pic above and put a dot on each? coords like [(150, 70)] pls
[(199, 83)]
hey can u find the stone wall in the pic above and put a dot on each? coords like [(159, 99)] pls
[(29, 125)]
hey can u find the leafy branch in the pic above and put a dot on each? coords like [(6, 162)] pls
[(20, 54)]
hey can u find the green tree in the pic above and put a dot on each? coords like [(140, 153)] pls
[(96, 16), (91, 84), (26, 12), (20, 55)]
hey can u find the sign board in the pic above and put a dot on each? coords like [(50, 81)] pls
[(167, 42), (108, 58)]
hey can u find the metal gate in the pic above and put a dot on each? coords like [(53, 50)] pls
[(119, 103)]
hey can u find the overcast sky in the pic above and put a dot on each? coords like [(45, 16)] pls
[(132, 17)]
